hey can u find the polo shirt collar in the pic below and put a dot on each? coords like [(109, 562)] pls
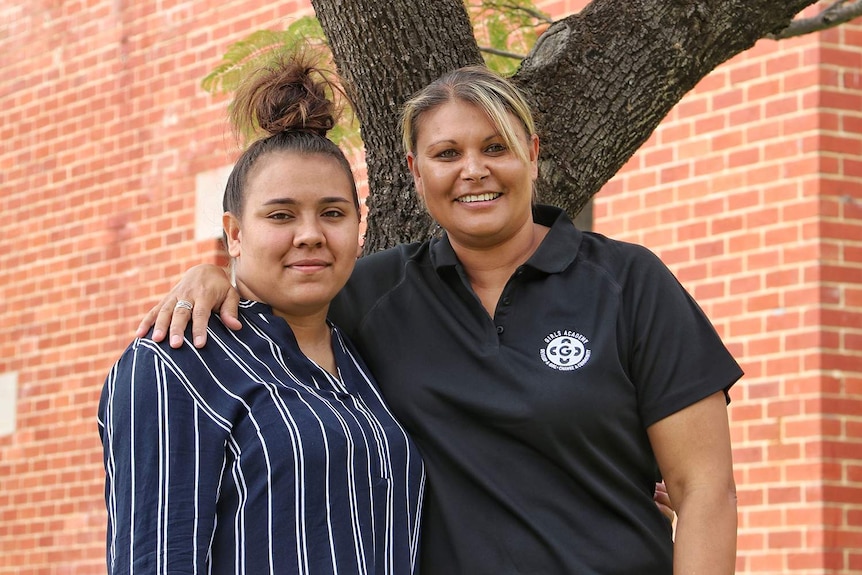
[(556, 252)]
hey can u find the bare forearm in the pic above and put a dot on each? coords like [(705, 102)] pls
[(692, 447), (705, 542)]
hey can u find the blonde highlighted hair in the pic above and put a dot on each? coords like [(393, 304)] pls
[(479, 86)]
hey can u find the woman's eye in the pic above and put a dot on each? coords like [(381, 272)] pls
[(447, 154), (279, 216), (496, 148), (333, 214)]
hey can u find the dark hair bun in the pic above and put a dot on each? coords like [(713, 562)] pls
[(291, 93)]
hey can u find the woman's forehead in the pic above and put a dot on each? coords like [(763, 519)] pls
[(461, 117)]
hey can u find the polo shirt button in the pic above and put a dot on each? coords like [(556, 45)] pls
[(506, 300), (500, 329)]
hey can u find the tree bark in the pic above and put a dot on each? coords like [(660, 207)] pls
[(385, 52), (600, 82)]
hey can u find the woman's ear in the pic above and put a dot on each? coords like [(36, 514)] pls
[(234, 235), (534, 155), (412, 164)]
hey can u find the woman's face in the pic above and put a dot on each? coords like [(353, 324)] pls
[(298, 238), (476, 188)]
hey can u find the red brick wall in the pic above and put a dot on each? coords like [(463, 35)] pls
[(751, 191), (104, 127)]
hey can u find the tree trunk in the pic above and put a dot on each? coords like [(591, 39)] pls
[(385, 52), (600, 82)]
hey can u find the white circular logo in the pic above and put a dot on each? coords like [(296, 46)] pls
[(565, 351)]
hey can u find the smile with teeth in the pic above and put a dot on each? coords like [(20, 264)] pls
[(486, 197)]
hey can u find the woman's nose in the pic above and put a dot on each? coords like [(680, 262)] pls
[(475, 168), (308, 233)]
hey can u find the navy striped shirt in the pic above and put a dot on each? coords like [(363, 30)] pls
[(247, 457)]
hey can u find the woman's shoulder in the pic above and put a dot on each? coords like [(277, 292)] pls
[(615, 255), (387, 267), (395, 256), (146, 347), (374, 276)]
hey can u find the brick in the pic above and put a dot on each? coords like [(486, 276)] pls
[(784, 451), (779, 495), (764, 346), (784, 539), (727, 140), (763, 475)]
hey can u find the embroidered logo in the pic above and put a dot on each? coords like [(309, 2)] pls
[(565, 350)]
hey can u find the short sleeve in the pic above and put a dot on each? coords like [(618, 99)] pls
[(675, 356)]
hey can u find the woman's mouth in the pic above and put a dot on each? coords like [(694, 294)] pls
[(308, 265), (486, 197)]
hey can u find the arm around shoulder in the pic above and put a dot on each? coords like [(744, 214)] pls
[(203, 289)]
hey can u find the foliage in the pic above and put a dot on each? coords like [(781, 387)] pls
[(505, 30), (260, 47)]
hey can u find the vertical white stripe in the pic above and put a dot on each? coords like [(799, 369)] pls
[(111, 467), (132, 479), (162, 537), (197, 496)]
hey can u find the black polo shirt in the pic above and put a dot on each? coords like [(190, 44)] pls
[(533, 423)]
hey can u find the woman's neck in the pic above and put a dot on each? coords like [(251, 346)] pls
[(311, 331), (489, 268), (314, 337)]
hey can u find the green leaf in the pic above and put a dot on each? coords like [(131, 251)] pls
[(260, 48)]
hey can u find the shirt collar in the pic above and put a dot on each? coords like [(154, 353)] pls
[(556, 252), (264, 311)]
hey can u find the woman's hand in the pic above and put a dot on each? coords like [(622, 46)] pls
[(201, 290), (662, 500)]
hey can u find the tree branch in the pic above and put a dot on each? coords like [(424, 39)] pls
[(602, 80), (531, 13), (839, 12), (503, 53)]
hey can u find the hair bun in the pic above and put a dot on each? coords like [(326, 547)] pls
[(290, 94)]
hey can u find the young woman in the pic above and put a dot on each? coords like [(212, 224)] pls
[(271, 450), (546, 374)]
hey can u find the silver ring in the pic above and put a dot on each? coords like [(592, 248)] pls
[(181, 303)]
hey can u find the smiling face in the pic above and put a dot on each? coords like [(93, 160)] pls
[(473, 185), (297, 240)]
